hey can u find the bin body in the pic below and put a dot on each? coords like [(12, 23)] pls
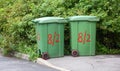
[(83, 34), (50, 36)]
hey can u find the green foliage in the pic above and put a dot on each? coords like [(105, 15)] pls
[(7, 45), (19, 33), (101, 49), (67, 48), (16, 27)]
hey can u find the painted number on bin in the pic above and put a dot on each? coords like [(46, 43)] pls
[(53, 38), (83, 37)]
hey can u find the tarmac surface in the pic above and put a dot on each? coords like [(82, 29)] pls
[(66, 63), (88, 63), (15, 64)]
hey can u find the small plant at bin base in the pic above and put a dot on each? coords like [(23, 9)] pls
[(32, 52)]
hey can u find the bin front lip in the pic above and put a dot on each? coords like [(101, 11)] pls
[(83, 18), (50, 20)]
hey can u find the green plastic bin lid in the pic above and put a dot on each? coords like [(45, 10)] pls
[(48, 20), (83, 18)]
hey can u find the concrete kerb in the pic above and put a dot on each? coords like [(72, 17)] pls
[(1, 50), (21, 55), (39, 61)]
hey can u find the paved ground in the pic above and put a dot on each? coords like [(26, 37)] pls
[(14, 64), (88, 63)]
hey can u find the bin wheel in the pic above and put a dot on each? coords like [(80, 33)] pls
[(45, 56), (74, 53)]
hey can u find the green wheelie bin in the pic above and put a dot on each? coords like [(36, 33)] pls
[(83, 35), (50, 36)]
